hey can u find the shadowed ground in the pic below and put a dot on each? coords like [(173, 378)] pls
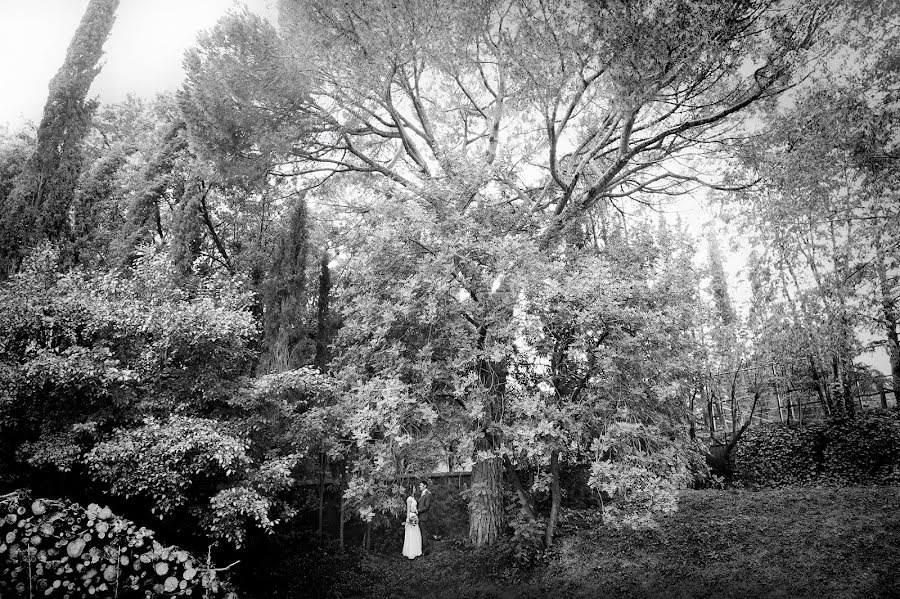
[(813, 543)]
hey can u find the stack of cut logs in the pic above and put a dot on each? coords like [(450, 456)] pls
[(60, 549)]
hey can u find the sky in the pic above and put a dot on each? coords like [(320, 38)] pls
[(142, 55)]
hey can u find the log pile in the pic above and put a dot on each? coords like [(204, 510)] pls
[(60, 549)]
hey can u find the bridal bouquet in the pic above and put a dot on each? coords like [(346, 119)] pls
[(412, 519)]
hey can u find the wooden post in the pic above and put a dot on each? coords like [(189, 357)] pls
[(881, 394)]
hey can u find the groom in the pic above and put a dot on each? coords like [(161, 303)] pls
[(424, 514)]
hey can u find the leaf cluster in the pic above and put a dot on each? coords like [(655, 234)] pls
[(859, 450)]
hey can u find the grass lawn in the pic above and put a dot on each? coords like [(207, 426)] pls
[(814, 543)]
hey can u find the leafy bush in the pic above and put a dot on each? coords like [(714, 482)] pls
[(164, 460), (173, 464), (129, 380), (234, 509), (58, 548), (640, 473), (863, 450), (775, 455), (525, 548), (84, 352), (860, 450), (697, 473)]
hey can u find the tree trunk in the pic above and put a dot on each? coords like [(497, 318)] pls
[(205, 188), (734, 404), (555, 498), (486, 503), (881, 394), (890, 323), (367, 538), (740, 433), (525, 497), (820, 388), (841, 388), (847, 389), (692, 432), (777, 394), (833, 407), (711, 412)]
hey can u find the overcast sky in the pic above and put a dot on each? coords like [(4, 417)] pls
[(142, 55)]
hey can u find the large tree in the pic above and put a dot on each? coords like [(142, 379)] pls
[(499, 129)]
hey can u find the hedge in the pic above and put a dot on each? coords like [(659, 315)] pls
[(848, 451)]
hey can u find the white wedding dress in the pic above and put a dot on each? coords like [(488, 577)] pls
[(412, 540)]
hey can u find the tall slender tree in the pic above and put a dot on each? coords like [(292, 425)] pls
[(286, 298), (724, 321), (38, 207)]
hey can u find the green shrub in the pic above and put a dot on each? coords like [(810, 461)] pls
[(863, 450), (859, 450), (775, 455), (524, 549)]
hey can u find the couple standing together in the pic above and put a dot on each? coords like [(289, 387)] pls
[(418, 521)]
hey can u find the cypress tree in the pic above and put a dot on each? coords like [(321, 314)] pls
[(719, 283), (725, 321), (187, 230), (288, 334), (38, 207)]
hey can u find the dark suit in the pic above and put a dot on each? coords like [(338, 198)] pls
[(425, 517)]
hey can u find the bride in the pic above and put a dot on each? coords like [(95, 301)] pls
[(412, 540)]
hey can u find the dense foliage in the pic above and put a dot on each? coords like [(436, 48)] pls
[(859, 450), (139, 385)]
